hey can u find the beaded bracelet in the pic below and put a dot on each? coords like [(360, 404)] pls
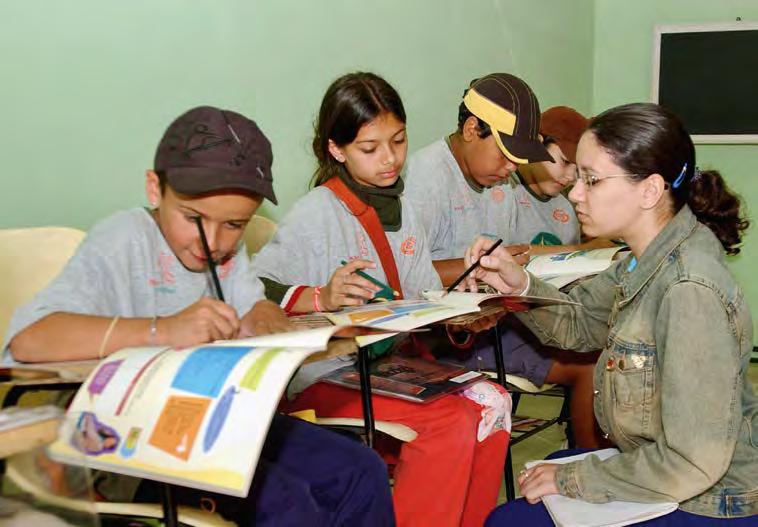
[(316, 304)]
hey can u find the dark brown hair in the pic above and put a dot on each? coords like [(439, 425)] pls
[(350, 102), (644, 139)]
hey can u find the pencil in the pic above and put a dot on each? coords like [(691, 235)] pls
[(374, 280), (211, 263), (474, 265)]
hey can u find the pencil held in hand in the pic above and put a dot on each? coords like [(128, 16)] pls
[(386, 291), (211, 263), (474, 266)]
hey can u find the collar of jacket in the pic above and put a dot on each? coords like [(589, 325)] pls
[(678, 229)]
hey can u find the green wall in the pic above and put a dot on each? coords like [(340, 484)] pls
[(622, 73), (89, 85)]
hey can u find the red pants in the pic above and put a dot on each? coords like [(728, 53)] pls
[(444, 476)]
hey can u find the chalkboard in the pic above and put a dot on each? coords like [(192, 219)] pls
[(708, 76)]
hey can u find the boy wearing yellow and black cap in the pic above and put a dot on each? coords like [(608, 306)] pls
[(459, 184), (460, 188)]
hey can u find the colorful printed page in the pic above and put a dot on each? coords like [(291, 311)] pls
[(570, 512), (195, 417), (397, 315), (561, 269)]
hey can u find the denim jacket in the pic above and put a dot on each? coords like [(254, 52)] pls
[(671, 386)]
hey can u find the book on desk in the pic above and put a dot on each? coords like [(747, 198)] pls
[(196, 417)]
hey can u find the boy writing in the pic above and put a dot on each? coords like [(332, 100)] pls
[(139, 278), (459, 185)]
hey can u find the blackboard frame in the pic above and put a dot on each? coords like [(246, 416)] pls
[(659, 30)]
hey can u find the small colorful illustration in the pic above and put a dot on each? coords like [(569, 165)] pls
[(218, 418), (94, 437), (178, 425), (130, 445), (205, 370), (103, 376), (254, 374)]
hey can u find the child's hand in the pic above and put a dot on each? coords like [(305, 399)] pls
[(204, 321), (345, 288), (499, 269), (264, 317)]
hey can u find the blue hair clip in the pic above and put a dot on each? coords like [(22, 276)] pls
[(680, 177)]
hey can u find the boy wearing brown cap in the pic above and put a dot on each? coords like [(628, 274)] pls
[(461, 188), (140, 278), (543, 216)]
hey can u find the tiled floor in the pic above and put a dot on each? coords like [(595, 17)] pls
[(549, 440)]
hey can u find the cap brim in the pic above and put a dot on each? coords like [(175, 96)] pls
[(522, 151), (195, 181)]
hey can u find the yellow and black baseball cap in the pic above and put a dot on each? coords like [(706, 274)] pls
[(510, 108)]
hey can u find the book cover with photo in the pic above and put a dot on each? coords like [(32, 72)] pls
[(409, 378)]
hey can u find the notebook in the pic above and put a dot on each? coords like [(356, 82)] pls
[(570, 512)]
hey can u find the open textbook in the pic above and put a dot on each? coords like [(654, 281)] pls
[(436, 306), (570, 512), (196, 417), (560, 269)]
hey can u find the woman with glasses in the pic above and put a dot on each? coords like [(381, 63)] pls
[(671, 387)]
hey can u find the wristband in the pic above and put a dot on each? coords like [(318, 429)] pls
[(151, 341), (316, 304), (107, 336)]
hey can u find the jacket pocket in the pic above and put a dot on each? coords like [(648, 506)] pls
[(636, 392)]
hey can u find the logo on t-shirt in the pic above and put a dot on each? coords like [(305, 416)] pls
[(498, 194), (561, 215), (524, 201), (226, 268), (362, 244), (408, 247), (164, 284)]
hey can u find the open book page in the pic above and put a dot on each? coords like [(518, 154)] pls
[(436, 306), (561, 269), (570, 512), (196, 417)]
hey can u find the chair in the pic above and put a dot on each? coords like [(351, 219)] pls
[(518, 386), (258, 233), (29, 260)]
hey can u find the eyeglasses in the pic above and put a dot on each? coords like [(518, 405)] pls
[(590, 180)]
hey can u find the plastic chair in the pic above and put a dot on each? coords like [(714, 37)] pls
[(29, 260), (258, 233)]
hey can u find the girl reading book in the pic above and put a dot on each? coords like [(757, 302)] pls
[(446, 476), (671, 383)]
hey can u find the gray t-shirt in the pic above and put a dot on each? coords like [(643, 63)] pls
[(452, 212), (125, 267), (542, 221), (318, 233)]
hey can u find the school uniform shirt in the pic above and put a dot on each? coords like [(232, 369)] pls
[(317, 234), (125, 267), (541, 221), (452, 211)]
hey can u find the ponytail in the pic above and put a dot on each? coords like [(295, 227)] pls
[(717, 207)]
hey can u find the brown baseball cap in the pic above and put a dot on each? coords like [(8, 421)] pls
[(510, 108), (565, 126), (208, 149)]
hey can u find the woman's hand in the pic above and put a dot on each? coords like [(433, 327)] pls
[(538, 481), (345, 288), (499, 269)]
